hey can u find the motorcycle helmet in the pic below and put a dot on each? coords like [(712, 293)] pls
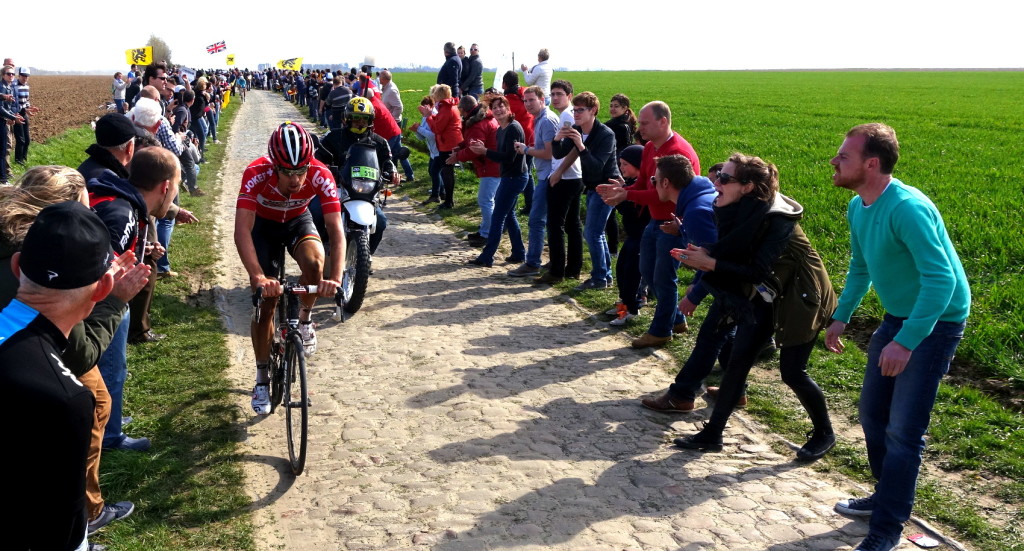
[(359, 108), (290, 146)]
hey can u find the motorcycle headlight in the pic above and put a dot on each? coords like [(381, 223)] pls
[(363, 186)]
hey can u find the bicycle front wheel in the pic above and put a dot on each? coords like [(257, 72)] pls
[(296, 404)]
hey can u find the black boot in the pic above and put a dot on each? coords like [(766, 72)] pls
[(819, 442), (705, 440)]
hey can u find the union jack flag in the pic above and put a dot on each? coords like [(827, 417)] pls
[(216, 47)]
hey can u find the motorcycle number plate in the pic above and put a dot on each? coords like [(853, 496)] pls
[(367, 172)]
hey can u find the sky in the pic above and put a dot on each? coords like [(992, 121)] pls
[(594, 35)]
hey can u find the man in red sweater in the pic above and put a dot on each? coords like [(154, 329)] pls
[(664, 232)]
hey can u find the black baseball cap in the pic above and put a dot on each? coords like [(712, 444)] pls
[(114, 129), (67, 247)]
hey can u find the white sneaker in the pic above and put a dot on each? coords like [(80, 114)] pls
[(614, 310), (308, 334), (623, 316), (261, 399)]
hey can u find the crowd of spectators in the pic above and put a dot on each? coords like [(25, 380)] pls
[(126, 187)]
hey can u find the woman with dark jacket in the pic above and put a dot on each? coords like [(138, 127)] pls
[(513, 181), (765, 278), (599, 163), (623, 123)]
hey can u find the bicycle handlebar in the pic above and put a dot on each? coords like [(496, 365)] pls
[(295, 289)]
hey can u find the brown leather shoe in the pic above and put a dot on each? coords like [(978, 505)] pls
[(664, 404), (648, 339), (713, 394), (680, 327)]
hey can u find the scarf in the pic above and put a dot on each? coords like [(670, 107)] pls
[(740, 225)]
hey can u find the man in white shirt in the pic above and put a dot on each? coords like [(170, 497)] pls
[(541, 73)]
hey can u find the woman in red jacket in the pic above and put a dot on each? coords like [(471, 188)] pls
[(479, 124), (447, 127)]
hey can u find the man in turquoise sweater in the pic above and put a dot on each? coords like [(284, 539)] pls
[(898, 245)]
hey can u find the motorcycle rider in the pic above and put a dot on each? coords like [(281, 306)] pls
[(357, 126), (271, 213)]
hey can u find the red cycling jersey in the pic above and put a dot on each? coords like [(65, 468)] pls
[(259, 191)]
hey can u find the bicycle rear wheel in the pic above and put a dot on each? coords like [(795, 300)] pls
[(296, 403)]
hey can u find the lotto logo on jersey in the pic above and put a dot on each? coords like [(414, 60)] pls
[(325, 184)]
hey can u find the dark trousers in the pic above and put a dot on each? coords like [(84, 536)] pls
[(21, 140), (748, 342), (5, 145), (447, 177), (139, 322), (564, 228), (627, 272)]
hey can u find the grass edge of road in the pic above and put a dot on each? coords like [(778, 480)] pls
[(950, 481), (188, 490)]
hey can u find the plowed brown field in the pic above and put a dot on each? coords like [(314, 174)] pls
[(66, 102)]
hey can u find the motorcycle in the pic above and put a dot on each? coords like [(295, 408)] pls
[(362, 187), (361, 182)]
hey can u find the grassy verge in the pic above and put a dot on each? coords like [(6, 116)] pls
[(974, 483), (188, 490)]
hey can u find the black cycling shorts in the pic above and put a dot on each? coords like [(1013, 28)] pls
[(270, 238)]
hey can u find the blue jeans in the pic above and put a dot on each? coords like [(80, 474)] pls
[(395, 143), (485, 198), (593, 233), (113, 366), (538, 223), (895, 411), (504, 217), (434, 170), (119, 103), (212, 119), (658, 269), (164, 229)]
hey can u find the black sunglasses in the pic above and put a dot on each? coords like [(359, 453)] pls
[(725, 178)]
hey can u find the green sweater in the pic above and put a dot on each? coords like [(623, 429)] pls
[(900, 246)]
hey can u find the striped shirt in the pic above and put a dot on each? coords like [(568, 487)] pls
[(21, 92)]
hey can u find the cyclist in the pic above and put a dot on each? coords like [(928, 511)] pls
[(241, 85), (271, 214), (357, 125)]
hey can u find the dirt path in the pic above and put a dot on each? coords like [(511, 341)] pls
[(462, 409)]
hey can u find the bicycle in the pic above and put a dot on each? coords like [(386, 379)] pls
[(288, 367)]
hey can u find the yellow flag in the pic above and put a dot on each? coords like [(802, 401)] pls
[(293, 64), (231, 59), (140, 56)]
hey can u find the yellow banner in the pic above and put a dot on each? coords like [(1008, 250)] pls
[(293, 64), (231, 59), (140, 56), (227, 98)]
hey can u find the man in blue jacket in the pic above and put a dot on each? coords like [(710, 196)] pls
[(451, 72)]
